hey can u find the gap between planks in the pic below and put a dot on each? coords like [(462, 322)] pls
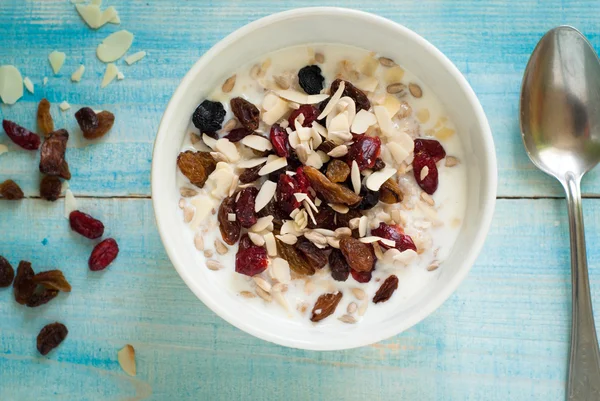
[(587, 196)]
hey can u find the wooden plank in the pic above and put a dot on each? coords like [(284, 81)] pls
[(503, 335)]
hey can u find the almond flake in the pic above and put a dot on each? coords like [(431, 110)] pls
[(126, 358), (263, 294), (64, 106), (280, 270), (274, 108), (451, 161), (261, 224), (427, 198), (28, 84), (368, 240), (270, 244), (343, 232), (262, 283), (293, 96), (324, 231), (114, 46), (319, 129), (355, 177), (57, 59), (135, 57), (397, 151), (424, 173), (316, 238), (333, 242), (384, 120), (257, 142), (339, 151), (209, 141), (231, 217), (405, 257), (314, 160), (70, 203), (274, 165), (76, 76), (265, 194), (367, 84), (309, 212), (109, 75), (362, 226), (229, 149), (362, 121), (333, 101), (392, 105), (376, 180), (249, 163), (11, 84), (287, 239), (203, 205), (339, 208), (377, 250), (256, 239)]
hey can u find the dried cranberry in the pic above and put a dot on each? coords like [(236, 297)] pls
[(21, 136), (7, 273), (103, 254), (244, 207), (209, 116), (87, 119), (50, 337), (429, 183), (251, 261), (237, 134), (431, 147), (310, 79), (309, 112), (338, 265), (365, 151), (395, 233), (245, 242), (86, 225), (361, 277), (287, 186), (279, 139)]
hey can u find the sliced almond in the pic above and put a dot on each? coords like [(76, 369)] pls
[(394, 74), (287, 239), (249, 163), (362, 226), (275, 108), (339, 208), (333, 101), (427, 198), (256, 239), (397, 151), (368, 240), (424, 173), (376, 180), (367, 84), (126, 358), (262, 283), (265, 194), (355, 177), (270, 244), (209, 141), (257, 142), (377, 250), (405, 257), (316, 238), (274, 165), (281, 300), (343, 232), (362, 121), (354, 223), (339, 151), (261, 224), (300, 98), (333, 242), (263, 294), (384, 120), (280, 270)]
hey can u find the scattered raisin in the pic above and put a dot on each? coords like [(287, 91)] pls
[(386, 290), (433, 148), (251, 261), (272, 209), (103, 254), (7, 273), (296, 260), (360, 99), (52, 155), (244, 207), (325, 218), (390, 192), (395, 233), (279, 140), (340, 270), (327, 146), (365, 151), (429, 183), (237, 134), (23, 285), (359, 256), (378, 165), (50, 337), (246, 113), (343, 220), (337, 171), (361, 277), (10, 190), (287, 186), (325, 306), (315, 256), (309, 112), (44, 118), (106, 119), (50, 188), (209, 116), (87, 120), (41, 296), (332, 192), (21, 136), (86, 225), (52, 280), (250, 174), (369, 199), (310, 79), (196, 166), (230, 230)]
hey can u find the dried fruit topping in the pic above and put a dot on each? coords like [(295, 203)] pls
[(246, 113), (340, 270), (296, 260), (360, 256), (390, 192), (7, 273), (237, 134), (315, 256), (386, 290), (360, 99), (50, 188), (21, 136), (87, 119), (273, 209), (196, 166), (44, 118), (365, 151), (327, 146), (369, 199), (361, 277), (287, 186), (337, 171), (431, 147), (52, 280), (429, 182), (309, 112), (209, 116), (395, 233), (325, 218), (325, 306), (310, 79), (94, 125), (343, 220), (41, 296), (332, 192), (279, 139), (251, 261), (52, 155), (250, 174), (230, 230), (24, 286), (50, 337), (245, 243), (10, 190), (86, 225), (244, 207), (103, 254)]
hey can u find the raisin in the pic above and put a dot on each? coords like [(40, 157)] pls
[(10, 190), (386, 290), (361, 277), (295, 259), (244, 207), (23, 285), (287, 186), (337, 171), (395, 233), (237, 134), (326, 146), (245, 242), (21, 136), (310, 79), (279, 140), (315, 256), (378, 165), (209, 116), (429, 183), (250, 174), (340, 270), (41, 296), (251, 261), (103, 254), (365, 151), (309, 112), (343, 220), (332, 192), (369, 199), (7, 273), (87, 119), (324, 218), (106, 119), (52, 155), (230, 230), (390, 192), (431, 147), (360, 99), (50, 337), (246, 113), (196, 166), (359, 256), (86, 225), (50, 188), (52, 280), (325, 306), (272, 209), (44, 118)]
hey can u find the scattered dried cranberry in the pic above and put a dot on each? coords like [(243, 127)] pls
[(10, 190), (361, 277), (7, 273), (50, 188), (279, 139), (287, 186), (246, 113), (209, 116), (395, 233), (245, 243), (86, 225), (386, 290), (360, 99), (50, 337), (21, 136), (87, 119), (103, 254), (52, 155), (365, 151), (433, 148), (23, 285), (237, 134), (429, 183), (251, 261), (338, 265), (310, 79), (309, 112), (244, 207)]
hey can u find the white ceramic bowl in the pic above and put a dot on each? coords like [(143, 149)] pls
[(326, 25)]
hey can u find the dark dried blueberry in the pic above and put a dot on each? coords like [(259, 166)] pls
[(10, 190), (325, 218), (7, 273), (23, 285), (246, 113), (21, 136), (52, 155), (379, 165), (50, 337), (340, 270), (86, 225), (50, 188), (369, 199), (209, 116), (272, 209), (244, 207), (87, 119), (237, 134), (103, 254), (250, 174), (310, 79)]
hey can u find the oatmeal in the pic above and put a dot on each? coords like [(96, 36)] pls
[(323, 183)]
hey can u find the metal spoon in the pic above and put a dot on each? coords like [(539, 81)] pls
[(560, 125)]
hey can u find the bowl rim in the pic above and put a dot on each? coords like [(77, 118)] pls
[(489, 196)]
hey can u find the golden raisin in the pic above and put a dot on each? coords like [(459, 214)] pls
[(325, 306), (359, 256), (331, 191), (44, 118), (390, 192), (337, 171), (196, 166)]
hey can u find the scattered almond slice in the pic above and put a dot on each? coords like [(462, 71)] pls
[(339, 208), (11, 84), (28, 84), (57, 59), (392, 105), (261, 224), (45, 81), (397, 151), (76, 76), (405, 257), (274, 108), (274, 165), (120, 76), (300, 98), (257, 142), (376, 180), (362, 121), (355, 177), (135, 57), (394, 75), (333, 101), (281, 270), (249, 163), (64, 106), (270, 244), (4, 149), (265, 194), (70, 203), (368, 240), (114, 46), (362, 226), (367, 84), (126, 357), (109, 75), (203, 205), (229, 149), (209, 141)]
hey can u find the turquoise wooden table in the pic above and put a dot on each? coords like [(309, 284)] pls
[(504, 335)]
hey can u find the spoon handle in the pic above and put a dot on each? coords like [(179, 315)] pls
[(584, 364)]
